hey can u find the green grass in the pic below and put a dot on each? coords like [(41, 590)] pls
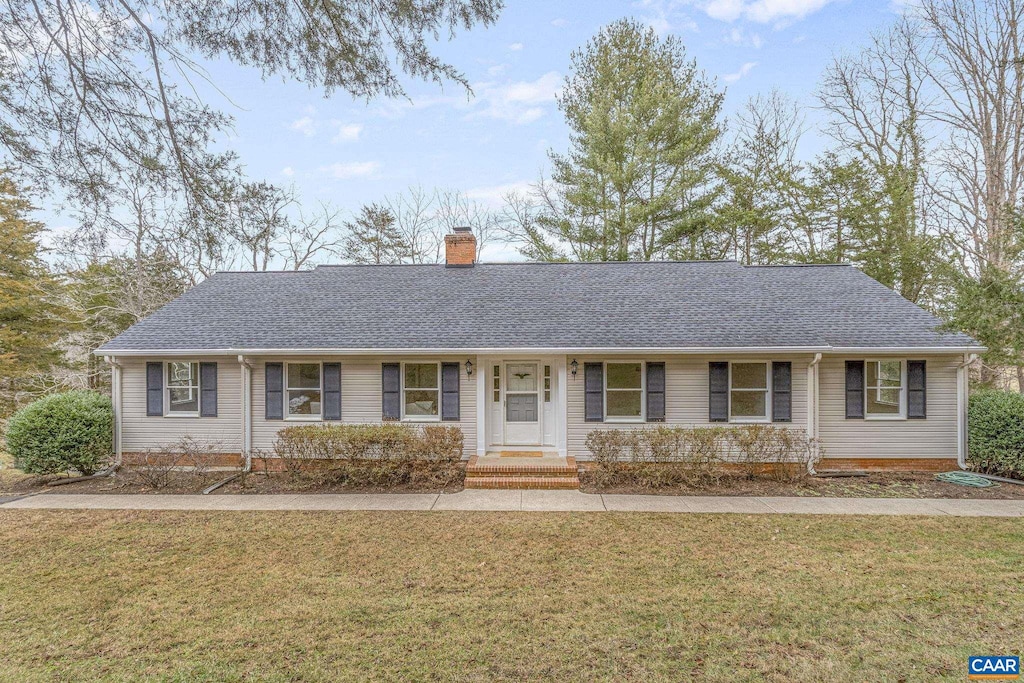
[(503, 596)]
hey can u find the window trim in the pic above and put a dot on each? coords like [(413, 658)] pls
[(883, 417), (420, 418), (767, 419), (640, 419), (285, 388), (167, 390)]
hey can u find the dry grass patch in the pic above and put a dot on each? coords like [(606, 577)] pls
[(503, 596)]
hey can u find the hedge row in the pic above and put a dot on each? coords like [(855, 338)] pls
[(995, 433), (665, 456), (372, 455)]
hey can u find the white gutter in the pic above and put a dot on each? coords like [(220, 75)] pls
[(812, 408), (246, 367), (115, 400), (704, 350), (962, 398)]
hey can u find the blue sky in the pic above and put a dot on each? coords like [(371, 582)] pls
[(351, 152)]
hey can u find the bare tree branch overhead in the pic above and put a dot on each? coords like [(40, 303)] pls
[(89, 95)]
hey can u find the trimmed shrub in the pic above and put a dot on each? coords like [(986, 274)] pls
[(372, 455), (62, 432), (183, 460), (995, 432), (665, 456)]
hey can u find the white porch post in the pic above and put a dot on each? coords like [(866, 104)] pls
[(562, 428), (481, 405)]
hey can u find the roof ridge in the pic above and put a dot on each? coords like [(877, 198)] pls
[(799, 265)]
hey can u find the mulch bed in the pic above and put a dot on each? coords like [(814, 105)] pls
[(875, 485), (188, 483)]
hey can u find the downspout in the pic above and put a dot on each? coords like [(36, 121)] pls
[(962, 397), (246, 367), (115, 401), (812, 409)]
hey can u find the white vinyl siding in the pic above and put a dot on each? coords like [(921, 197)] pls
[(360, 395), (140, 432), (934, 437), (686, 395)]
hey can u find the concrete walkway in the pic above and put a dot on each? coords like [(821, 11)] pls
[(532, 501)]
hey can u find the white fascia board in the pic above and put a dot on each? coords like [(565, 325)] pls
[(697, 350), (474, 351), (904, 350)]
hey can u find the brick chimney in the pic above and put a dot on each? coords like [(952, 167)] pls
[(460, 248)]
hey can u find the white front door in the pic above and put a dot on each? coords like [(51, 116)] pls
[(522, 407)]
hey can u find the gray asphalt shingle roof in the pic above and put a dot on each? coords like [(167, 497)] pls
[(539, 305)]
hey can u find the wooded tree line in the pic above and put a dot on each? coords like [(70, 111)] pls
[(920, 185)]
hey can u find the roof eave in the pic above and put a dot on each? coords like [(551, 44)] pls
[(696, 350)]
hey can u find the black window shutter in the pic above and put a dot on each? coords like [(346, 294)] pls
[(718, 392), (332, 391), (655, 392), (274, 407), (391, 389), (450, 392), (854, 390), (593, 389), (155, 389), (208, 389), (917, 390), (782, 392)]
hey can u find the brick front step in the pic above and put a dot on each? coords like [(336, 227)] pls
[(503, 471), (522, 482)]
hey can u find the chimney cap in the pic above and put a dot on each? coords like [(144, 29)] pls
[(462, 229)]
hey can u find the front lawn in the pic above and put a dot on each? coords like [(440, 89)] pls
[(503, 596)]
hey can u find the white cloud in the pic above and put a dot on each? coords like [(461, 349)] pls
[(496, 70), (287, 171), (744, 70), (519, 102), (760, 11), (558, 22), (737, 36), (346, 132), (306, 125), (493, 196), (515, 47), (352, 169), (664, 16)]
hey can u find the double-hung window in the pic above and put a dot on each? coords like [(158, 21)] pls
[(624, 392), (748, 392), (183, 388), (303, 392), (884, 389), (421, 391)]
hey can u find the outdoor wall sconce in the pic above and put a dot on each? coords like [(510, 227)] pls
[(469, 368), (573, 367)]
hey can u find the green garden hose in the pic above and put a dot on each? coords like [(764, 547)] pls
[(966, 479)]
